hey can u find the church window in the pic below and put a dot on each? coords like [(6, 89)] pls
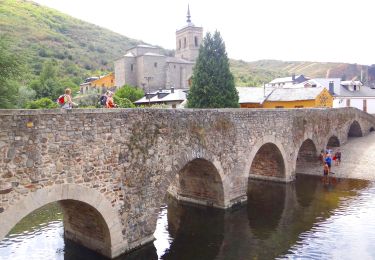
[(184, 42), (174, 66), (131, 67), (196, 41), (179, 44), (155, 64)]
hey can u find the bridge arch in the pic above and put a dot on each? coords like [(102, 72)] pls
[(333, 141), (267, 160), (85, 203), (372, 129), (199, 181), (307, 157), (355, 129)]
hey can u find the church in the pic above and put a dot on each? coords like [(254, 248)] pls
[(148, 68)]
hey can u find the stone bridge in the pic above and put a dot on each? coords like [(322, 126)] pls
[(111, 169)]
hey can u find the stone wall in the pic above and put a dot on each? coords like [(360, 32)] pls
[(122, 161)]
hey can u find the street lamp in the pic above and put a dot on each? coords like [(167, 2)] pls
[(148, 78)]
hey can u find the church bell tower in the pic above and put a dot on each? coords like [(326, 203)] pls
[(188, 40)]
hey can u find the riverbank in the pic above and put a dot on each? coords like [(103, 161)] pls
[(358, 159)]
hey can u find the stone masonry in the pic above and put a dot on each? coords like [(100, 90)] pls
[(111, 169)]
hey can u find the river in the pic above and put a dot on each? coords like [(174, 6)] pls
[(299, 220)]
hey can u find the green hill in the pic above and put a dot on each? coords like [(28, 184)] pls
[(42, 34), (81, 49)]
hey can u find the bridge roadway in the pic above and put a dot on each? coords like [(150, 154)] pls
[(110, 169)]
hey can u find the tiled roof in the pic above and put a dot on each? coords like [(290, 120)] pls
[(291, 94), (178, 95), (342, 91), (252, 94)]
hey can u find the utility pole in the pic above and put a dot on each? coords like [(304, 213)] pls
[(148, 78)]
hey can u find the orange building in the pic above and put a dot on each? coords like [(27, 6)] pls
[(285, 97), (98, 84)]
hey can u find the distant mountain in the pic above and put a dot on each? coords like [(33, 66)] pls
[(82, 49), (265, 69)]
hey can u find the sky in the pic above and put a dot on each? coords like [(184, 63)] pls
[(289, 30)]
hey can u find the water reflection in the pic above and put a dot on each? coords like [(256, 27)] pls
[(279, 221), (191, 227), (265, 205)]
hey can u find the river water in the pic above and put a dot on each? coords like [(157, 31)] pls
[(304, 219)]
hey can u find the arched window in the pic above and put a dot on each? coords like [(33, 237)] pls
[(196, 41), (185, 42)]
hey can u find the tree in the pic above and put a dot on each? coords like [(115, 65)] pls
[(212, 82), (48, 84), (130, 92), (11, 67)]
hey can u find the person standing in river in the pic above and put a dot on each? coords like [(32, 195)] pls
[(325, 173)]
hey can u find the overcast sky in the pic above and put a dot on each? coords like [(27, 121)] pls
[(309, 30)]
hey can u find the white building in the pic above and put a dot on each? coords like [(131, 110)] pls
[(349, 93)]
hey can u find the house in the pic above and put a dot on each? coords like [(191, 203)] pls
[(287, 81), (349, 94), (284, 97), (298, 98), (98, 84), (173, 98)]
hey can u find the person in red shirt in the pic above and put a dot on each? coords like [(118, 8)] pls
[(110, 103)]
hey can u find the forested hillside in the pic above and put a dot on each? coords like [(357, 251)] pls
[(54, 50), (40, 34)]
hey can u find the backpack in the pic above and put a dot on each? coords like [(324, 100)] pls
[(103, 100), (61, 100)]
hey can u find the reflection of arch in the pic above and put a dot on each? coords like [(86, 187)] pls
[(307, 156), (265, 206), (191, 227), (355, 130), (79, 203), (200, 182), (333, 141), (268, 162), (305, 189)]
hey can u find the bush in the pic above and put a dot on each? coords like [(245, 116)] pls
[(43, 103), (123, 102), (129, 92)]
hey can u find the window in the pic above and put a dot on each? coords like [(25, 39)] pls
[(174, 66), (196, 41), (279, 106), (185, 42), (131, 67), (179, 44), (155, 64)]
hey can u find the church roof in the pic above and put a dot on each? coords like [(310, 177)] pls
[(146, 46), (152, 54), (129, 54)]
